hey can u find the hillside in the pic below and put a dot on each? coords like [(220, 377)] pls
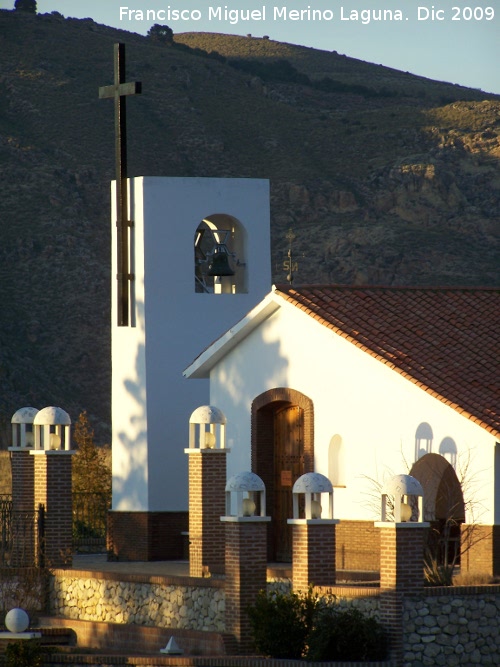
[(385, 178)]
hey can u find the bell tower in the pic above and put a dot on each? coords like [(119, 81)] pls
[(199, 260)]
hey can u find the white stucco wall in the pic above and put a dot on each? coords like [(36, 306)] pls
[(151, 400), (375, 411)]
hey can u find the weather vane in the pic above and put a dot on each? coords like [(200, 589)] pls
[(288, 264)]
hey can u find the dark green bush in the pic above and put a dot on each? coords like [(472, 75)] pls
[(25, 6), (281, 623), (295, 625), (161, 33), (346, 634)]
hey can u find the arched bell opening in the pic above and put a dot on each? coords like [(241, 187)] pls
[(220, 254)]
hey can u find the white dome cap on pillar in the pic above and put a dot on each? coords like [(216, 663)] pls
[(407, 496), (312, 485), (52, 429), (245, 481), (52, 415), (207, 414), (21, 437), (210, 423), (24, 415), (312, 482), (249, 492)]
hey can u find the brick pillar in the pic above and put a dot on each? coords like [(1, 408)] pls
[(480, 546), (246, 573), (23, 489), (401, 573), (52, 474), (23, 479), (313, 553), (207, 483)]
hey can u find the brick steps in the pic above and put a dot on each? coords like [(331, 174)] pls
[(57, 637), (137, 639)]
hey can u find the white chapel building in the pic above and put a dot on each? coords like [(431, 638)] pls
[(360, 384)]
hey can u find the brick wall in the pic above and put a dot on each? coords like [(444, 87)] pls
[(480, 549), (357, 546), (146, 536)]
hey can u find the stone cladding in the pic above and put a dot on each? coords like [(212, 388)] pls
[(157, 602), (459, 627)]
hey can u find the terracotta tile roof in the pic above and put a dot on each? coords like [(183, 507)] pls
[(446, 340)]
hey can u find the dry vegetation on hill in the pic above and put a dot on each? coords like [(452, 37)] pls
[(385, 178)]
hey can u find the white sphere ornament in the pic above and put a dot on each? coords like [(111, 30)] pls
[(17, 620), (406, 512), (315, 509)]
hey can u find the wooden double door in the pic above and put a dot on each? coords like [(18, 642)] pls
[(288, 427)]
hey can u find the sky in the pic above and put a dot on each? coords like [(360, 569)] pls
[(457, 41)]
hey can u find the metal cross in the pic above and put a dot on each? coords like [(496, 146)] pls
[(118, 91)]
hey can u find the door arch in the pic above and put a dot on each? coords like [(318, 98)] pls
[(444, 505), (282, 450)]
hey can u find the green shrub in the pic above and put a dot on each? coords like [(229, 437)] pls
[(346, 634), (161, 33), (281, 623), (25, 6), (295, 625)]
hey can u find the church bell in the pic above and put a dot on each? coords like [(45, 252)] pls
[(219, 263)]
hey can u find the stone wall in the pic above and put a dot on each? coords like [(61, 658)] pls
[(458, 626), (150, 601)]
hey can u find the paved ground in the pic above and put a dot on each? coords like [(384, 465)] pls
[(99, 563), (179, 568)]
